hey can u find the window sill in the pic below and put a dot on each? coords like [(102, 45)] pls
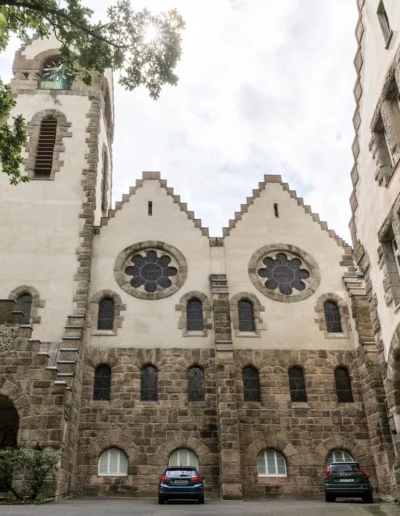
[(272, 476), (195, 334), (101, 403), (299, 405), (104, 333), (112, 475), (247, 334), (347, 404), (35, 178)]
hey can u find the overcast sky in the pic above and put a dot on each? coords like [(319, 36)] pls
[(265, 88)]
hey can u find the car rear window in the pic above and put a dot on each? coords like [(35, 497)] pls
[(345, 468), (180, 472)]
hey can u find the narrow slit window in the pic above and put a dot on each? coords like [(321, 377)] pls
[(45, 148), (396, 254), (384, 23), (194, 315), (149, 384), (297, 385), (332, 317), (106, 314), (196, 384), (389, 150), (343, 385), (102, 383), (24, 305), (251, 384), (246, 316), (276, 210), (150, 208)]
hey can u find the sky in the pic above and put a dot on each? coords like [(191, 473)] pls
[(266, 87)]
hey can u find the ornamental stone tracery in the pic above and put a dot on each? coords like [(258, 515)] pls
[(284, 272)]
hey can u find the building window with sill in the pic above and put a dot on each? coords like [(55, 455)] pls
[(297, 385), (105, 319), (271, 463), (343, 385), (113, 462), (102, 383), (194, 315), (246, 316), (196, 384), (251, 384), (332, 317), (149, 384)]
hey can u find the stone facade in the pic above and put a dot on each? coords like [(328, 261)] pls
[(151, 263)]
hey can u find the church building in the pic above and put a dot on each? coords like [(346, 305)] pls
[(131, 339)]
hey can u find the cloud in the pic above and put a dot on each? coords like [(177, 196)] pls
[(265, 87)]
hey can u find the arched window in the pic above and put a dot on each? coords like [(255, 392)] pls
[(149, 387), (105, 319), (339, 456), (183, 457), (104, 185), (297, 385), (55, 76), (113, 463), (24, 305), (271, 464), (45, 148), (332, 317), (343, 385), (194, 315), (251, 384), (102, 382), (196, 384), (246, 316)]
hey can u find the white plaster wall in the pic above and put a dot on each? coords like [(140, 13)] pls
[(289, 325), (374, 201), (40, 45), (39, 221), (151, 324)]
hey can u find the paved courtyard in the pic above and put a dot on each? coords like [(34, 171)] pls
[(118, 507)]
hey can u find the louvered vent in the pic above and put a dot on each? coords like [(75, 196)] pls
[(45, 148)]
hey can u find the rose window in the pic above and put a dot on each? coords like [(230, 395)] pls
[(151, 271), (283, 273)]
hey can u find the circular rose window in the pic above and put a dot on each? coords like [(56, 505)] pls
[(284, 272), (150, 270)]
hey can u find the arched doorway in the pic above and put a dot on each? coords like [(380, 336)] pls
[(9, 423)]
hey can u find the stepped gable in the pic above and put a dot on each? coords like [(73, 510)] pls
[(154, 176), (276, 178)]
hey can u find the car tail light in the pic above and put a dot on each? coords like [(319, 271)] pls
[(196, 479), (327, 472), (363, 472), (165, 479)]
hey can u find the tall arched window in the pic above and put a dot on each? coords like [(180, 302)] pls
[(24, 305), (271, 464), (183, 457), (45, 148), (149, 384), (105, 320), (251, 384), (297, 385), (246, 315), (194, 315), (332, 317), (102, 383), (113, 463), (338, 456), (104, 185), (196, 384), (343, 385)]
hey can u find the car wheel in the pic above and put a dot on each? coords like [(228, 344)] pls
[(329, 498), (161, 499), (368, 498), (201, 499)]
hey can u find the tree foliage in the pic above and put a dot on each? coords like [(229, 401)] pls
[(123, 43)]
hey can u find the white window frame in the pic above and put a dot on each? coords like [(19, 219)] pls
[(396, 254), (344, 456), (276, 455), (184, 463), (108, 452), (391, 157)]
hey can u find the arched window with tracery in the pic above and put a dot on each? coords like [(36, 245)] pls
[(24, 305), (332, 317), (105, 320), (343, 385), (297, 385), (149, 384), (45, 148), (102, 383), (194, 315), (195, 384), (246, 315), (251, 384)]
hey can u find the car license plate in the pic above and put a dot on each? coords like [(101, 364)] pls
[(346, 480), (181, 481)]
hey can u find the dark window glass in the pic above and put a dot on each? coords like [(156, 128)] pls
[(276, 210), (106, 314), (251, 384), (196, 384), (246, 316), (150, 208), (24, 305), (45, 148), (343, 385), (149, 390), (194, 312), (297, 385), (332, 317), (102, 382), (345, 468), (104, 186)]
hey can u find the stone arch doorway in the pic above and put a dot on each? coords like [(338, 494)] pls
[(9, 423)]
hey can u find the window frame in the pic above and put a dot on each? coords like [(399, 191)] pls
[(343, 452), (41, 146), (349, 390), (246, 389), (330, 324), (142, 389), (108, 463), (187, 450), (203, 391), (102, 388), (303, 378), (248, 302), (191, 320), (106, 298), (273, 475)]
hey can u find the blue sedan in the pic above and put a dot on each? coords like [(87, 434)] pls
[(181, 482)]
